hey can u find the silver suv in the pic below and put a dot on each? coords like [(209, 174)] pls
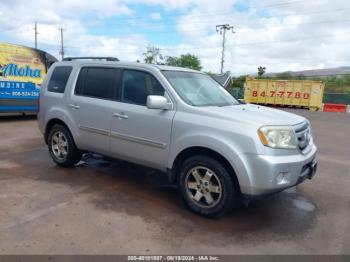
[(176, 120)]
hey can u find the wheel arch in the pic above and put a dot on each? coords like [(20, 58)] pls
[(50, 124), (200, 150)]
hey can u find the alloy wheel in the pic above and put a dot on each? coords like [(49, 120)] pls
[(59, 145), (203, 187)]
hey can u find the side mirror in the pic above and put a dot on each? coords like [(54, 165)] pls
[(158, 102)]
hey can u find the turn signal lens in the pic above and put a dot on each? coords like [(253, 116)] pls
[(263, 138)]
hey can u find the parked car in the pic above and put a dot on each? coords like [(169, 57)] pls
[(176, 120)]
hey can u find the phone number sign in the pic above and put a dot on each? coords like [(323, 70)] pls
[(12, 89), (281, 94)]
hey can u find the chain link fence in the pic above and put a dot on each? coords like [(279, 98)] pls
[(337, 98)]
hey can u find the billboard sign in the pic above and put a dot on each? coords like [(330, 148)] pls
[(22, 71)]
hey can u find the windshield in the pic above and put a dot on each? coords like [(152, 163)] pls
[(198, 89)]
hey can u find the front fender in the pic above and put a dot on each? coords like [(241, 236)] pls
[(220, 146)]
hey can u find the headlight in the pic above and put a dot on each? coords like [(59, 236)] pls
[(278, 137)]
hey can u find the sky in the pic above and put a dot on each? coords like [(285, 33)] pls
[(281, 35)]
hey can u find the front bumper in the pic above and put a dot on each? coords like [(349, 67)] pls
[(270, 174)]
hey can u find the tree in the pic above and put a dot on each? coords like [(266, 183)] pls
[(172, 61), (187, 60), (261, 71), (152, 55)]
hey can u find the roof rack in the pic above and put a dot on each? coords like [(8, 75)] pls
[(107, 58)]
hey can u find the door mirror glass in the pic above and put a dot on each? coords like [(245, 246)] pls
[(158, 102)]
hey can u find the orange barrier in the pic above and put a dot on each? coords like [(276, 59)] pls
[(338, 108)]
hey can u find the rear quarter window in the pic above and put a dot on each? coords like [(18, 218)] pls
[(59, 78)]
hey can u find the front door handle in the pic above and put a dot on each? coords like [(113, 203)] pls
[(74, 106), (121, 115)]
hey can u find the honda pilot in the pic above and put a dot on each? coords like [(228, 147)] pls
[(176, 120)]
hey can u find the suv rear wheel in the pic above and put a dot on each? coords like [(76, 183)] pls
[(207, 187), (62, 147)]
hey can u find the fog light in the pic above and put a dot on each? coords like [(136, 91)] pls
[(282, 178)]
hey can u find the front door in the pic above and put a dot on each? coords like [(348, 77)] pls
[(139, 134)]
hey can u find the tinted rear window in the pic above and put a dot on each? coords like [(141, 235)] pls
[(97, 82), (59, 79)]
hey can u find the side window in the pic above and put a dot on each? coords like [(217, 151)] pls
[(137, 85), (97, 82), (59, 78)]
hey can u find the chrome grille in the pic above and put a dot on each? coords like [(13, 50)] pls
[(303, 135)]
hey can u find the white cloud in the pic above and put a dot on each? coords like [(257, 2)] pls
[(166, 4), (277, 30), (127, 49), (156, 16), (293, 36)]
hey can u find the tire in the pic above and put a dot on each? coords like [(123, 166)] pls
[(206, 179), (62, 148)]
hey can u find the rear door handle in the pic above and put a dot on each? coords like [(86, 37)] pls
[(121, 115), (74, 106)]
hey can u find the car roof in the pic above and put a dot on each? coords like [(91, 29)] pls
[(127, 64)]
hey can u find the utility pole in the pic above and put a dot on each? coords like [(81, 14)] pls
[(62, 44), (36, 34), (222, 29)]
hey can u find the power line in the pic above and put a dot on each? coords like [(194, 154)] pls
[(279, 4), (259, 43), (217, 15), (285, 25), (240, 44), (206, 14), (249, 28)]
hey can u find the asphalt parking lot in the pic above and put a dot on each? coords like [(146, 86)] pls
[(103, 207)]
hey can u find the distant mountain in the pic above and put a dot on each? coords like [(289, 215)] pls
[(316, 72)]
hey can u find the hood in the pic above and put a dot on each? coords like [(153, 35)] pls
[(254, 114)]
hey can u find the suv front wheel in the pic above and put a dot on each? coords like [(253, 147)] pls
[(207, 187), (62, 147)]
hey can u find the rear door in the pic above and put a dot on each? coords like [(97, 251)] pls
[(93, 103), (139, 134)]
